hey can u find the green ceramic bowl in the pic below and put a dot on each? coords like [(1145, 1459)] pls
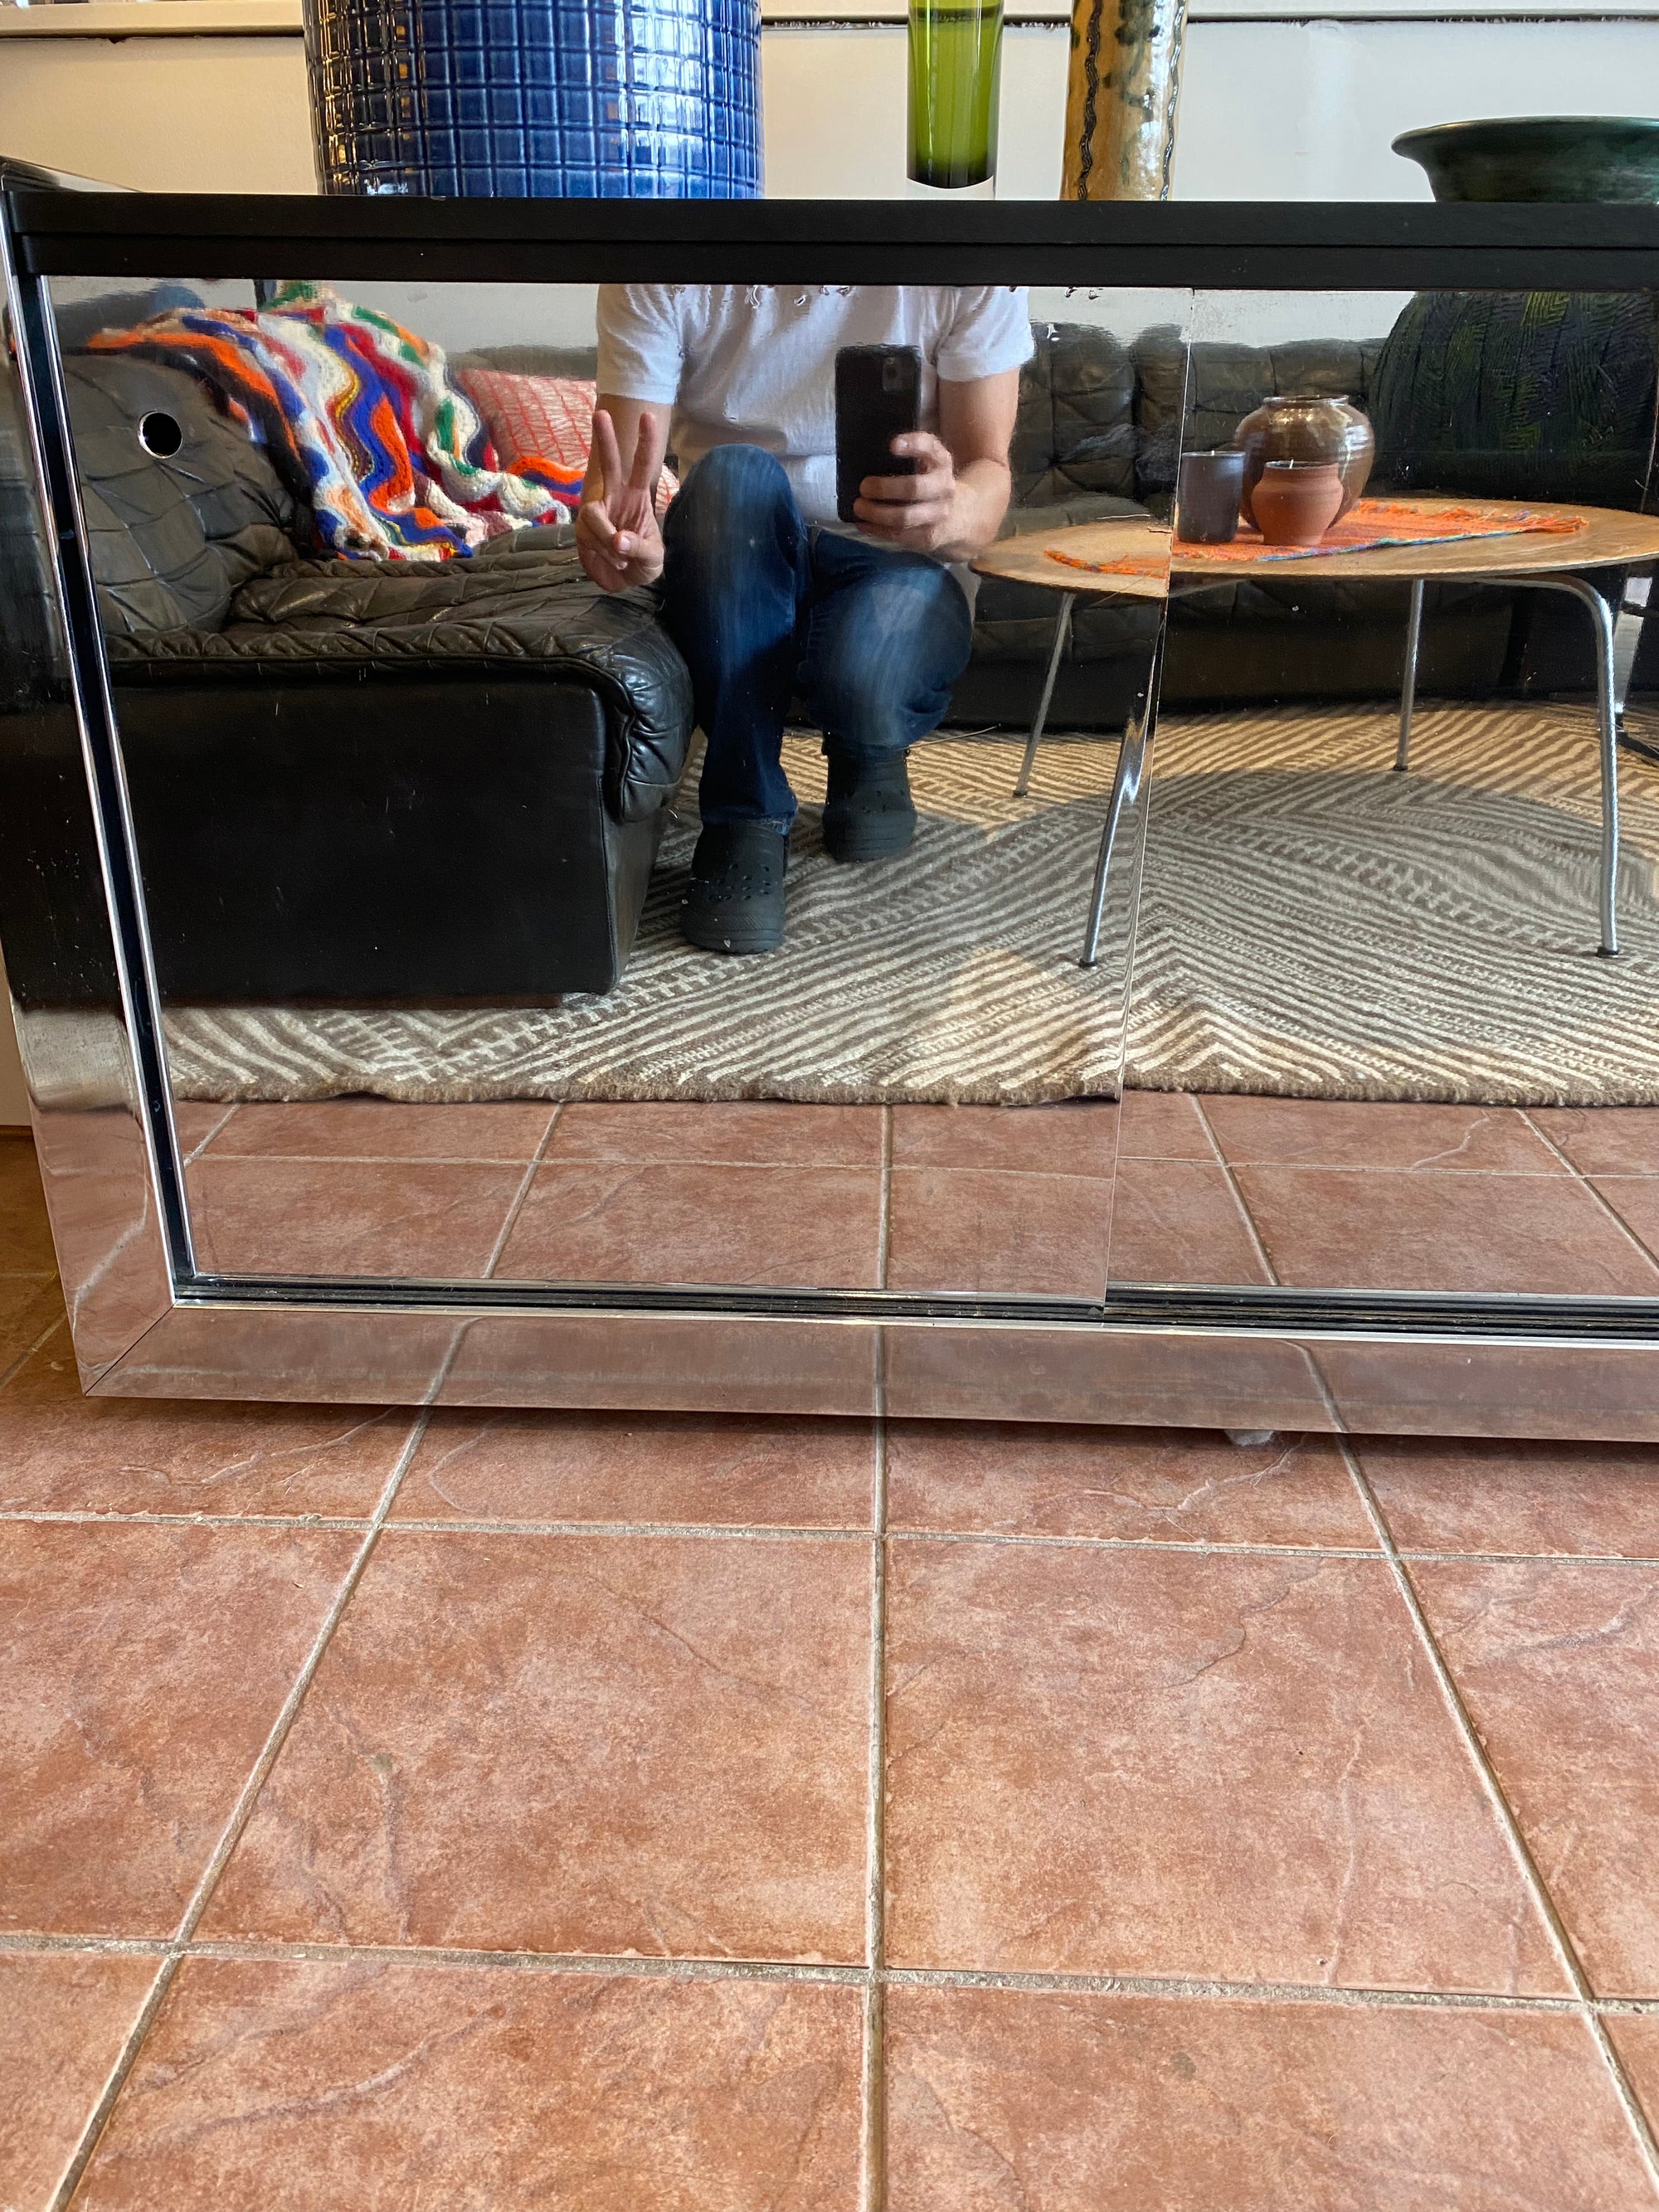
[(1539, 157)]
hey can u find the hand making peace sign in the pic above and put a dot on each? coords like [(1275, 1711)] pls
[(616, 533)]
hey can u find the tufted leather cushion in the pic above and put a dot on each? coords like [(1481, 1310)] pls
[(521, 606), (171, 538), (1075, 432)]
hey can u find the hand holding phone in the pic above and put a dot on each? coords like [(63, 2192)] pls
[(877, 399), (896, 482)]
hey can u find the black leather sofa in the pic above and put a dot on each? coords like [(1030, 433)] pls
[(349, 780)]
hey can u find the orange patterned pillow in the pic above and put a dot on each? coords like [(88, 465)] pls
[(542, 427)]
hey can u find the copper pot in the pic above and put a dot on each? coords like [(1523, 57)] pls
[(1305, 426)]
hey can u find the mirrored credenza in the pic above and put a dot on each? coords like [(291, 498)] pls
[(1261, 1032)]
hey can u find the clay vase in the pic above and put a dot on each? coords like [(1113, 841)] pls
[(1304, 426), (1296, 502)]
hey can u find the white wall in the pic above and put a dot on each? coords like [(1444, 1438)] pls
[(1271, 107)]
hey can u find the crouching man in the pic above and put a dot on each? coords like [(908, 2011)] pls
[(772, 600)]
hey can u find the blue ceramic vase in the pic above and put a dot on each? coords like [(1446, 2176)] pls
[(535, 98)]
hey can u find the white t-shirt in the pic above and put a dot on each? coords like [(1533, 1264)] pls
[(755, 364)]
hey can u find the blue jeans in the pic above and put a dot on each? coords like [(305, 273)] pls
[(766, 610)]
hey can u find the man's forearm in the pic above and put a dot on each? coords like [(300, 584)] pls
[(983, 488)]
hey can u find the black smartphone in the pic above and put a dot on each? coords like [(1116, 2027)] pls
[(878, 396)]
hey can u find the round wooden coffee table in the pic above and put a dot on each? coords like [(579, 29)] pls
[(1534, 561)]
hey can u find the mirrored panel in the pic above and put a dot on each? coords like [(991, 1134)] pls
[(1392, 1020), (725, 876)]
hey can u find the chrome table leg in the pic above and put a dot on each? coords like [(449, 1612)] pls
[(1125, 785), (1606, 721), (1062, 631), (1408, 682)]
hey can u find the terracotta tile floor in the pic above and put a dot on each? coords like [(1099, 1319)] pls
[(492, 1810), (1055, 1200)]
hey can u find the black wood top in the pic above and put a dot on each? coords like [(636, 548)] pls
[(1289, 245)]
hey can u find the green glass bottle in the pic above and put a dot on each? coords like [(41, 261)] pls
[(956, 73)]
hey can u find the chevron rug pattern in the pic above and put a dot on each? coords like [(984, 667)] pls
[(1311, 925)]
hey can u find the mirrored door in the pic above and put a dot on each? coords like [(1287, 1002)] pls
[(1391, 1026), (445, 831)]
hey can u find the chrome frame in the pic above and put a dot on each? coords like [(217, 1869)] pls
[(148, 1322)]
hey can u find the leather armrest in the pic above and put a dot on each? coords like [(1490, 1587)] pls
[(527, 611)]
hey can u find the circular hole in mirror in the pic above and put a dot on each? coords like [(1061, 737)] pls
[(159, 435)]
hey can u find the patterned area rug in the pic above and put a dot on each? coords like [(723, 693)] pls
[(1311, 925)]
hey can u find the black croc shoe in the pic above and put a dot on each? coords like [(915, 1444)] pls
[(735, 903), (869, 814)]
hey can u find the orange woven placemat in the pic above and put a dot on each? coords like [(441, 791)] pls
[(1370, 524)]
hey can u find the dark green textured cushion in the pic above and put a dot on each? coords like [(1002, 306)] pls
[(1519, 395)]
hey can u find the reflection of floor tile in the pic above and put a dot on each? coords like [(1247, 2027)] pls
[(1164, 1125), (347, 1217), (609, 1221), (1470, 1494), (29, 1306), (1341, 1226), (1635, 1199), (740, 1132), (383, 1129), (398, 2085), (64, 1453), (1076, 1140), (147, 1666), (1004, 2098), (1560, 1668), (25, 1232), (1168, 1486), (977, 1229), (712, 1470), (1179, 1221), (664, 1363), (1155, 1762), (112, 1261), (1334, 1134), (1604, 1139), (196, 1123), (63, 2017), (559, 1743)]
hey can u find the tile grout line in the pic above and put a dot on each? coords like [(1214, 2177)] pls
[(1338, 1426), (1594, 1189), (1624, 2089), (1239, 1198), (516, 1208), (885, 1213), (231, 1834), (1175, 1989), (380, 1160), (7, 1374), (786, 1532), (189, 1158), (872, 2192), (873, 2158)]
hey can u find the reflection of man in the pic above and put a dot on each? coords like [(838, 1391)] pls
[(768, 597)]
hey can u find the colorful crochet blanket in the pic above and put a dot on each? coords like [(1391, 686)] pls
[(360, 420)]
